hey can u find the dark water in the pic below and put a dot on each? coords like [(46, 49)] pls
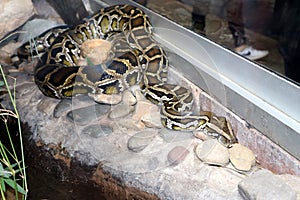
[(48, 178)]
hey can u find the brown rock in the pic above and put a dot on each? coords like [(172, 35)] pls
[(241, 157), (177, 155)]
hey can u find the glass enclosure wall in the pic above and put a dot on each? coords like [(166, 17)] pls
[(264, 31)]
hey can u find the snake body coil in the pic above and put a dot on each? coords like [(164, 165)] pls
[(136, 59)]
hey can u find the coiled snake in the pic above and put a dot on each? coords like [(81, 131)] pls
[(136, 59)]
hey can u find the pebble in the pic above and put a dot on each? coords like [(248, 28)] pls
[(85, 115), (141, 140), (263, 184), (201, 135), (97, 130), (128, 98), (111, 99), (121, 110), (177, 155), (241, 157), (212, 152), (63, 106), (174, 136)]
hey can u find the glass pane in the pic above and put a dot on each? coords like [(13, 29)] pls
[(264, 31)]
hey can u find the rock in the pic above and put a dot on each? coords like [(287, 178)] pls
[(13, 13), (241, 157), (152, 119), (212, 152), (139, 96), (85, 115), (34, 28), (128, 98), (96, 51), (46, 105), (143, 108), (97, 130), (63, 106), (265, 185), (111, 99), (201, 135), (177, 155), (174, 136), (131, 124), (141, 140), (121, 110), (292, 181)]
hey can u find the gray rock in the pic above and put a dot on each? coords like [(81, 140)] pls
[(175, 136), (177, 155), (265, 185), (97, 130), (83, 116), (121, 110), (212, 152), (35, 27), (62, 107), (141, 140)]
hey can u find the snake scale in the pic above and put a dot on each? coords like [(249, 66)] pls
[(137, 59)]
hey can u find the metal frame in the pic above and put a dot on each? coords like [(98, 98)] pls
[(265, 99)]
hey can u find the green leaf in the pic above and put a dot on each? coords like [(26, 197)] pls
[(2, 185), (12, 184), (2, 83)]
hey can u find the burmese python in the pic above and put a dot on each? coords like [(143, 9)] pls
[(136, 59)]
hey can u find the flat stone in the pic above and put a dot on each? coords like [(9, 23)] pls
[(241, 157), (212, 152), (62, 107), (265, 185), (174, 136), (141, 140), (177, 155), (121, 110), (85, 115), (97, 130), (128, 98), (111, 99)]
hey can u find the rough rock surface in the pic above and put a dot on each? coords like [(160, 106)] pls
[(265, 185), (13, 13)]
